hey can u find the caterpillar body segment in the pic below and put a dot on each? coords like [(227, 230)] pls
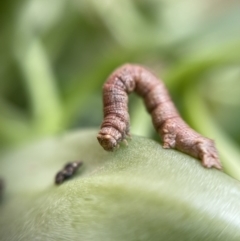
[(174, 131)]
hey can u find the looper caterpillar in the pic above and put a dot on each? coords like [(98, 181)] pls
[(171, 127)]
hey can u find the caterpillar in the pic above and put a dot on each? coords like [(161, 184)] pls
[(174, 131)]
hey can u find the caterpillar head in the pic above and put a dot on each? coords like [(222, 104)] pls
[(108, 142)]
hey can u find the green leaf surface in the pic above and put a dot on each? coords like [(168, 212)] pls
[(140, 192)]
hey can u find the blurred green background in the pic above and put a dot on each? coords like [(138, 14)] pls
[(56, 55)]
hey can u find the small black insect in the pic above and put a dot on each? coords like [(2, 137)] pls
[(67, 172)]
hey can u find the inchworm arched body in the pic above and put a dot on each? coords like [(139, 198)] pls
[(174, 131)]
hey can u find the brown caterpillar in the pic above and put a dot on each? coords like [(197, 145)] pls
[(174, 131)]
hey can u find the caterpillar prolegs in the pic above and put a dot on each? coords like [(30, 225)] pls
[(174, 131)]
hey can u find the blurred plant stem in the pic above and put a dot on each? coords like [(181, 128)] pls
[(77, 94), (42, 88), (188, 69), (184, 80), (200, 118), (121, 27)]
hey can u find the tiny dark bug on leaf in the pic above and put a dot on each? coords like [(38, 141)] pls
[(67, 172), (168, 123)]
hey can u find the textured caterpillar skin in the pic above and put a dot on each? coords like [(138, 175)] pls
[(174, 131)]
